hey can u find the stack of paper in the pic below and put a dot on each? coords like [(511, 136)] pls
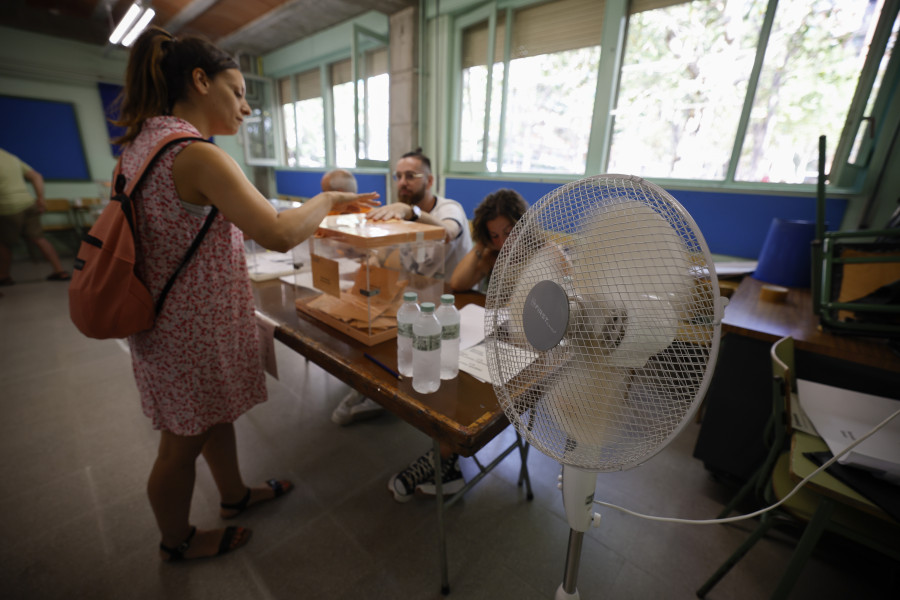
[(842, 417)]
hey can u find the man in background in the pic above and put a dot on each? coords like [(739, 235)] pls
[(339, 180), (20, 216)]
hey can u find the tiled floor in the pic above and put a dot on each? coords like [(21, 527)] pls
[(75, 452)]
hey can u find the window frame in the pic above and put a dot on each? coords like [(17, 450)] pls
[(358, 49), (613, 38), (274, 108)]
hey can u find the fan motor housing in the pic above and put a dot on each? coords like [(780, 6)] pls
[(546, 315)]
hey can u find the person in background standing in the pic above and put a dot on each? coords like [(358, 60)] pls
[(20, 216)]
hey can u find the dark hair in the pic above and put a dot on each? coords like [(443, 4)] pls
[(159, 72), (501, 203), (417, 153)]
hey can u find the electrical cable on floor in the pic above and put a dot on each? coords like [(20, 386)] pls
[(761, 511)]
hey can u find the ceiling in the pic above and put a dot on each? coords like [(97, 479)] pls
[(238, 26)]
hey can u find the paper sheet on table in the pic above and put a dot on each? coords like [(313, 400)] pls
[(843, 416), (263, 266), (471, 330), (474, 360), (725, 268)]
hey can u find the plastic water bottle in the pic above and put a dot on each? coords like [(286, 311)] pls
[(406, 316), (426, 351), (448, 317)]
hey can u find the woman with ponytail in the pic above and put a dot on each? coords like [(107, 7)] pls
[(198, 369)]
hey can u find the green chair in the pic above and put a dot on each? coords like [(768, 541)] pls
[(812, 511)]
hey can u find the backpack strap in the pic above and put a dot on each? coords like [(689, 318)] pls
[(197, 239), (124, 190)]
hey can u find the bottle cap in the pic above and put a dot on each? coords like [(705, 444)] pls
[(427, 307), (447, 299), (410, 296)]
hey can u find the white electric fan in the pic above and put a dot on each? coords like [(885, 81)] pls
[(603, 320)]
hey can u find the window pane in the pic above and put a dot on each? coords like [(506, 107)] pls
[(374, 109), (343, 125), (812, 64), (863, 142), (683, 84), (549, 106), (471, 119), (290, 135), (310, 128)]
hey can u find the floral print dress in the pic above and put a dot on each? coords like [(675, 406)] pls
[(200, 364)]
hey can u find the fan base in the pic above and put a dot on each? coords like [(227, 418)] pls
[(562, 594)]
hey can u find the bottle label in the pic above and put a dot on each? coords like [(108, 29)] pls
[(427, 343), (405, 330), (450, 332)]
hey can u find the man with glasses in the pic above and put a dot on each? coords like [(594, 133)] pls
[(419, 203), (416, 203)]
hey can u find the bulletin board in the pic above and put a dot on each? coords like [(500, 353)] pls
[(44, 134)]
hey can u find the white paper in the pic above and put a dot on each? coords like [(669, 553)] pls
[(800, 421), (471, 326), (842, 417), (263, 266), (735, 267), (474, 360)]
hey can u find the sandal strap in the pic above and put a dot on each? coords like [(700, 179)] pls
[(238, 506), (177, 553), (227, 538), (277, 487)]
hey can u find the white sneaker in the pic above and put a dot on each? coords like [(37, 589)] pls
[(354, 408)]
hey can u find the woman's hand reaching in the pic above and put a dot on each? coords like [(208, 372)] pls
[(348, 202)]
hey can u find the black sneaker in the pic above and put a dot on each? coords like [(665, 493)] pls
[(451, 481), (403, 484)]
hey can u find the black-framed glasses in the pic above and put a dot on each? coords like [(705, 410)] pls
[(410, 175)]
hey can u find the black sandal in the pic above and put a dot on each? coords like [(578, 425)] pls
[(280, 488), (177, 554)]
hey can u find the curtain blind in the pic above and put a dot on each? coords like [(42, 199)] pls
[(309, 85), (542, 29)]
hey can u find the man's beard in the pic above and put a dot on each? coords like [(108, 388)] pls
[(413, 198)]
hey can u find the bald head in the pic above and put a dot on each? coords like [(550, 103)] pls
[(339, 180)]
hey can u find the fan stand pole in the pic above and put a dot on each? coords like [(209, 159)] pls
[(568, 589), (578, 499)]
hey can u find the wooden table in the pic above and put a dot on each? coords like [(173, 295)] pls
[(747, 315), (463, 414)]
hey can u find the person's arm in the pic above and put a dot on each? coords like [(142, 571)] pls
[(205, 174), (404, 212), (37, 182), (474, 266)]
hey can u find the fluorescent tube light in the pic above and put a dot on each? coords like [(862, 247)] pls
[(139, 27), (125, 23)]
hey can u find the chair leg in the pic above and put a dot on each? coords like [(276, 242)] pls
[(805, 546), (766, 521)]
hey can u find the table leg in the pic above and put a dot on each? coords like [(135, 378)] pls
[(439, 501), (523, 470)]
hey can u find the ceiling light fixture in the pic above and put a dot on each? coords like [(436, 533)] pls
[(132, 24)]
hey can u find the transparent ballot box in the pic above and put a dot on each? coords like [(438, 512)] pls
[(363, 268), (263, 264)]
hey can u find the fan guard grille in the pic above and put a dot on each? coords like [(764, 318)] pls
[(642, 331)]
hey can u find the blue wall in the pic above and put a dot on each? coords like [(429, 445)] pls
[(733, 224), (307, 184)]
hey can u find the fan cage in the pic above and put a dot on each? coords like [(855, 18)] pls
[(643, 330)]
